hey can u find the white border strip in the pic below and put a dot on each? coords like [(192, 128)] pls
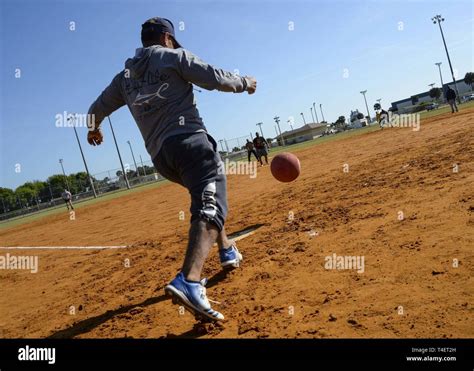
[(60, 247)]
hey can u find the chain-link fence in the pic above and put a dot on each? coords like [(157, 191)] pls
[(112, 180)]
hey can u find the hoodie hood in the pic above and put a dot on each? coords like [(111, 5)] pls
[(138, 64)]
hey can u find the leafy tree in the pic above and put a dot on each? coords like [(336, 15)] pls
[(131, 173), (8, 201), (57, 183), (146, 170), (435, 93), (340, 122), (26, 194), (469, 79)]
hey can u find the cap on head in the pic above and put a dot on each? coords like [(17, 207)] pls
[(154, 27)]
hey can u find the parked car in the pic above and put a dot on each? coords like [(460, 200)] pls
[(432, 106)]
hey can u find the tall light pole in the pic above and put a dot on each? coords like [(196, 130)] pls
[(315, 113), (118, 152), (322, 114), (143, 167), (260, 126), (363, 92), (277, 120), (302, 115), (83, 158), (50, 190), (64, 173), (379, 100), (133, 156), (438, 19), (440, 77), (222, 147), (312, 116)]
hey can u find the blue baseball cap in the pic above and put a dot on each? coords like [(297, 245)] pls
[(153, 27)]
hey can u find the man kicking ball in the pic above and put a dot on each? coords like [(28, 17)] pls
[(157, 87)]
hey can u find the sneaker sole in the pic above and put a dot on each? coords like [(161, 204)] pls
[(231, 264), (177, 297)]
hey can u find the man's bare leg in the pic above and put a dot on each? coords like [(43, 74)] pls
[(202, 236), (222, 241)]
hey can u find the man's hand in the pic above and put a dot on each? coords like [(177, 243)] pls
[(252, 84), (94, 137)]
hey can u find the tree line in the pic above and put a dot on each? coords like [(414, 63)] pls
[(36, 192)]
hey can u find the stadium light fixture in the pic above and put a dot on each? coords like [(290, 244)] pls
[(438, 19), (315, 113)]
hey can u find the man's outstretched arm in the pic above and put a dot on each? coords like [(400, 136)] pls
[(198, 72), (110, 100)]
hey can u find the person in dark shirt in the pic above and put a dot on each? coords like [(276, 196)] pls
[(261, 145), (251, 149), (451, 98)]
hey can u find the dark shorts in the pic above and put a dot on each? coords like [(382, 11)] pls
[(262, 152), (193, 161)]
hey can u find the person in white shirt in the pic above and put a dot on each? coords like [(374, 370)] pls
[(67, 197)]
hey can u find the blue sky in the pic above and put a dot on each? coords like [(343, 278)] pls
[(336, 49)]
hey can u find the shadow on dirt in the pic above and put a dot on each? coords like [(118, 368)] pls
[(199, 329), (89, 324)]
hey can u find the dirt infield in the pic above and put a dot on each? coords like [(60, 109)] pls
[(410, 287)]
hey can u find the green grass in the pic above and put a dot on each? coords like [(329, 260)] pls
[(291, 148), (310, 143), (326, 138), (445, 109)]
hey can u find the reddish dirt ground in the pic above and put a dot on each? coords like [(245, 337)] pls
[(282, 289)]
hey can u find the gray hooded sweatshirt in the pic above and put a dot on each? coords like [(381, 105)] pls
[(156, 85)]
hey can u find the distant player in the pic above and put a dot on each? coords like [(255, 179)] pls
[(251, 149), (381, 115), (157, 87), (451, 98), (261, 146), (67, 197)]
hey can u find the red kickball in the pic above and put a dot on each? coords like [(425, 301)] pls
[(285, 167)]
